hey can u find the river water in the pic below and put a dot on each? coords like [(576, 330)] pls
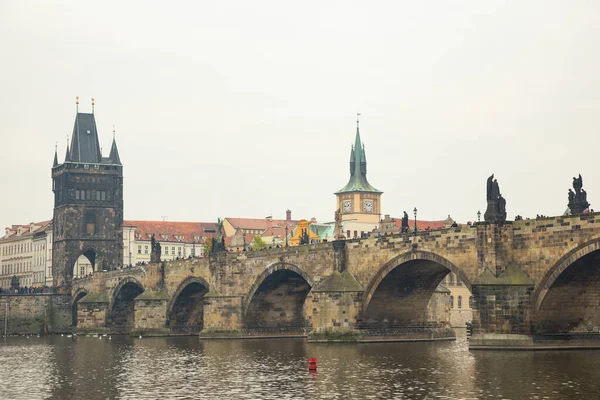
[(59, 367)]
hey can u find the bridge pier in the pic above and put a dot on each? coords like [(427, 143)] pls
[(334, 306), (92, 313), (501, 310), (222, 315), (151, 313)]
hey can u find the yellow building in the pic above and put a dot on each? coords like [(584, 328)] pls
[(303, 226), (359, 202)]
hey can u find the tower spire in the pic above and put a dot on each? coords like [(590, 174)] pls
[(55, 163), (68, 153)]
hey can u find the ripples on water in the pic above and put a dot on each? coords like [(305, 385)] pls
[(187, 368)]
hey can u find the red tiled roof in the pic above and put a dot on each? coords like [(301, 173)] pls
[(256, 223), (168, 231), (249, 238), (26, 228), (278, 230)]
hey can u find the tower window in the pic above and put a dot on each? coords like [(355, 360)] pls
[(97, 195), (90, 222), (459, 301), (451, 301)]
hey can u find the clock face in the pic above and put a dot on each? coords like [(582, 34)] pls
[(347, 206), (368, 206)]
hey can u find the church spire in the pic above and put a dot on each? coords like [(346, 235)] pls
[(358, 166), (114, 153), (68, 153), (55, 163)]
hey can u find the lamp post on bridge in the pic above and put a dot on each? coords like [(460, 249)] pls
[(415, 211)]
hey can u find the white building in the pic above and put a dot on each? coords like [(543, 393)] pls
[(26, 250), (23, 251)]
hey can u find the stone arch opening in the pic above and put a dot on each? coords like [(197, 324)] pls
[(186, 309), (80, 294), (402, 293), (84, 264), (275, 302), (568, 299), (121, 317)]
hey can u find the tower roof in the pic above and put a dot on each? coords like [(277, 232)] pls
[(85, 147), (114, 153), (358, 169)]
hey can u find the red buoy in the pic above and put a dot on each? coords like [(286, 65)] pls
[(312, 364)]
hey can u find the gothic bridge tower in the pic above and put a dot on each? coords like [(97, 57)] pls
[(359, 202), (88, 203)]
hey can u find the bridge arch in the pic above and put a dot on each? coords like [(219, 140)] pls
[(566, 299), (121, 316), (276, 299), (76, 296), (559, 267), (185, 311), (399, 293)]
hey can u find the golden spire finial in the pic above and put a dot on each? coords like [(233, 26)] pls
[(92, 105), (113, 132), (77, 102)]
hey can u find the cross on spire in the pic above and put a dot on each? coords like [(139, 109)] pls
[(357, 119)]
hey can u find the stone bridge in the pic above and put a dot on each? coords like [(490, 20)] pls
[(530, 280)]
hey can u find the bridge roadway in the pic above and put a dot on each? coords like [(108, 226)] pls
[(532, 281)]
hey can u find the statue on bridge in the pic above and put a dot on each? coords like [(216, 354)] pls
[(155, 250), (578, 200), (496, 204), (404, 228), (218, 243), (338, 234)]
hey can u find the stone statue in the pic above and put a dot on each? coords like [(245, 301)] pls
[(404, 228), (578, 200), (219, 227), (496, 204), (304, 238), (338, 234), (577, 184), (155, 250)]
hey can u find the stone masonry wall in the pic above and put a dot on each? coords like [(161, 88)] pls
[(36, 314)]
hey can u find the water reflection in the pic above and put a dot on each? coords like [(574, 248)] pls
[(186, 367)]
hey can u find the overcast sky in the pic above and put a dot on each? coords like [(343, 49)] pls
[(247, 108)]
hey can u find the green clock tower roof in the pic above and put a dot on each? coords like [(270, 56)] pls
[(358, 169)]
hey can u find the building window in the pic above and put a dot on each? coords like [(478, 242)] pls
[(179, 251), (97, 195), (459, 301), (451, 301), (355, 234), (458, 282), (471, 302), (166, 249), (348, 233), (103, 195), (146, 249), (173, 250), (139, 249), (77, 195)]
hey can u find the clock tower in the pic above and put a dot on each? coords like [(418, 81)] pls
[(359, 202)]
